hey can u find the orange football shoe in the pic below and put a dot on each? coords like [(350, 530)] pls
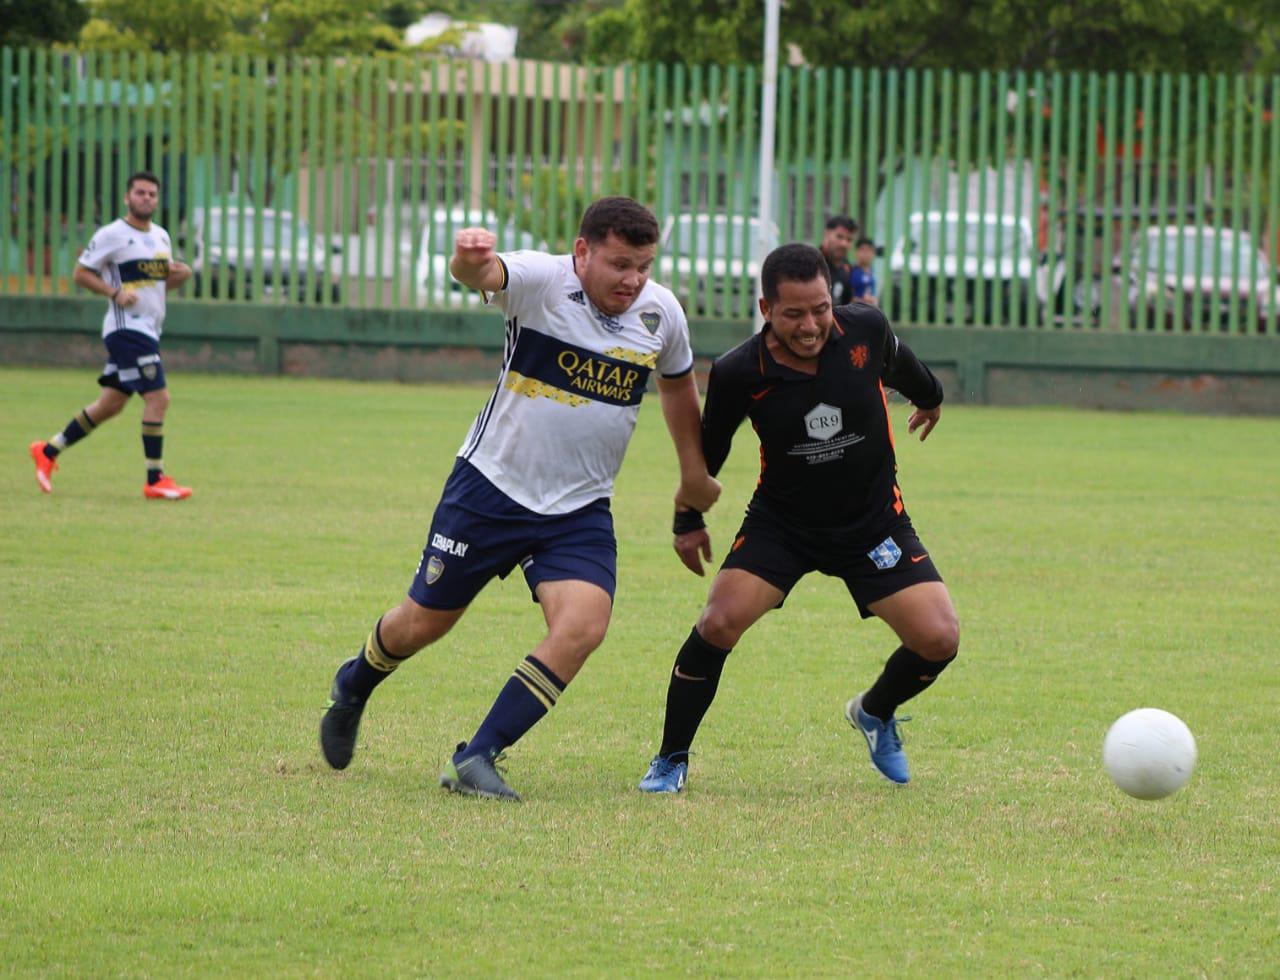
[(165, 489), (44, 466)]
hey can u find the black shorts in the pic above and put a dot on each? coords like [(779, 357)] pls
[(782, 555)]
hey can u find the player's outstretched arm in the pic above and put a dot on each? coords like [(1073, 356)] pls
[(474, 261), (904, 372), (698, 489)]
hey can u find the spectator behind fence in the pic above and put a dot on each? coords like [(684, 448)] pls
[(840, 233), (863, 277)]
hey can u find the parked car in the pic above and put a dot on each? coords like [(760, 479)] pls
[(228, 267), (1206, 291), (1012, 274), (433, 285), (712, 261)]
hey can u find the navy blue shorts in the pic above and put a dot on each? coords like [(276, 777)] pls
[(478, 532), (133, 362)]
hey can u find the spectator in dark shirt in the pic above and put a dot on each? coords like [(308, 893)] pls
[(836, 241)]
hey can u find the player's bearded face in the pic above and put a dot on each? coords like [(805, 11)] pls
[(613, 272), (801, 315), (141, 200)]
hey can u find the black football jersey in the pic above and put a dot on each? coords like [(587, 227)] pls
[(826, 446)]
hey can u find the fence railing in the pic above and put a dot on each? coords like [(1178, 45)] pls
[(1076, 201)]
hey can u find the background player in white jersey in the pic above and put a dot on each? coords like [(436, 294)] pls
[(130, 262), (532, 480)]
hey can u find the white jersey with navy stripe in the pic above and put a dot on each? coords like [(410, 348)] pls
[(137, 262), (553, 434)]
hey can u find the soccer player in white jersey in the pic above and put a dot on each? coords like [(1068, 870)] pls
[(532, 480), (130, 262)]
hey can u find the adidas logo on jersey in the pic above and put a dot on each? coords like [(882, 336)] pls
[(578, 298)]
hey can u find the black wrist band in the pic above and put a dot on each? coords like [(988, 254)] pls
[(686, 521)]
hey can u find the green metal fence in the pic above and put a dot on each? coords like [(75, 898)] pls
[(1042, 201)]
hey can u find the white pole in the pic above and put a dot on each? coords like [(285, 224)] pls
[(768, 111)]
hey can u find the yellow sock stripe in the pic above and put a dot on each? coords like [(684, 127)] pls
[(86, 423), (539, 678), (534, 690), (533, 677), (377, 657), (153, 428)]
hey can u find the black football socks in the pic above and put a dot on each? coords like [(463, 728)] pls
[(694, 680), (76, 429), (905, 675)]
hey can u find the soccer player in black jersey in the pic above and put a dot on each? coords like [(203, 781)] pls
[(812, 383)]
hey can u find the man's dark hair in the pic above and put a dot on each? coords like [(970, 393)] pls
[(628, 219), (138, 175), (865, 241), (842, 221), (796, 262)]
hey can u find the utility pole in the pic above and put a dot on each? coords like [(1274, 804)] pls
[(768, 114)]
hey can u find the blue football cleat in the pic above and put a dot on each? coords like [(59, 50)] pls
[(883, 741), (666, 775)]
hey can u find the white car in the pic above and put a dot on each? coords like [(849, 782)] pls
[(944, 283), (225, 262), (712, 262), (432, 283), (1222, 272)]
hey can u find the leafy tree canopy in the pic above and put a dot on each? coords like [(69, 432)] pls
[(37, 22), (270, 27), (1102, 35)]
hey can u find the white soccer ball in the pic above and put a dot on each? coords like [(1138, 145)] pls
[(1149, 753)]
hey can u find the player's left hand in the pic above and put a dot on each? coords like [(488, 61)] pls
[(693, 548), (923, 419), (179, 272)]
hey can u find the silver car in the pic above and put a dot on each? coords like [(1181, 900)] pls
[(1199, 278), (944, 258), (225, 257)]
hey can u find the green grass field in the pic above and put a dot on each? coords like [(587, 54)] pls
[(164, 666)]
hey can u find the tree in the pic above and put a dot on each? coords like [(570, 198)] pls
[(35, 22), (964, 35), (267, 27), (162, 25)]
